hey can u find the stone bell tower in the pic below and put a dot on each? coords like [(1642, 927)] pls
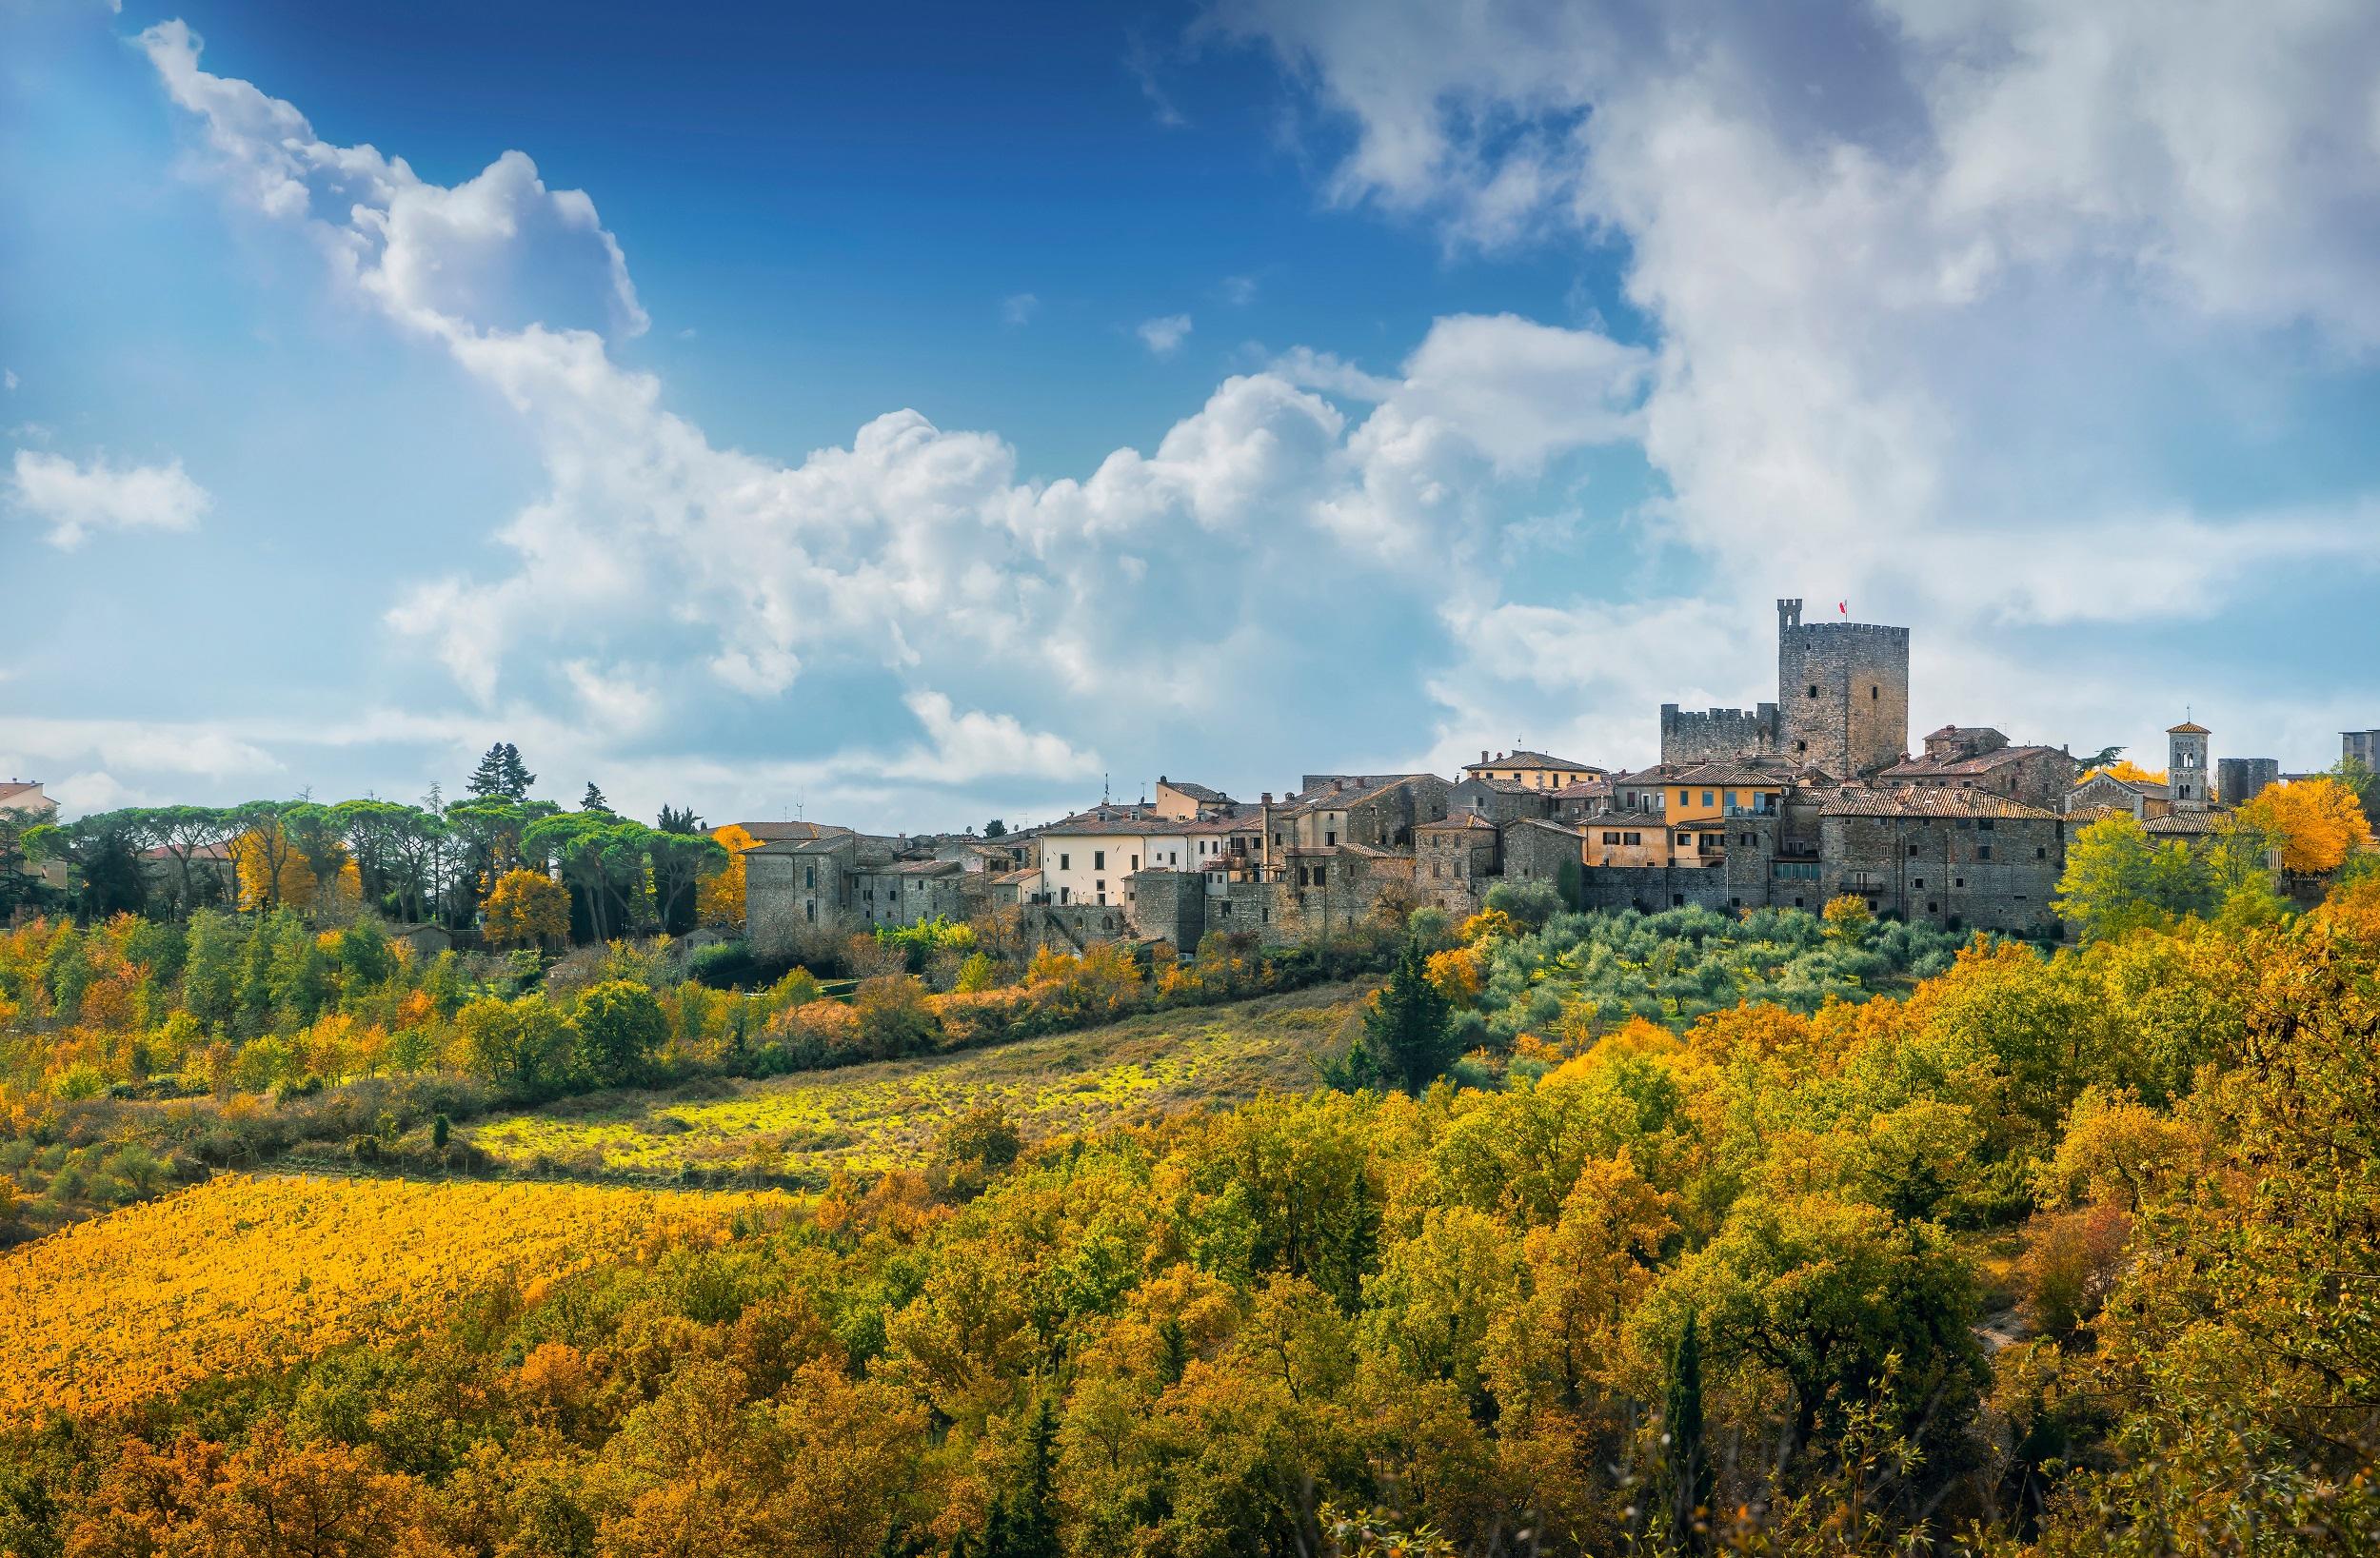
[(2187, 771)]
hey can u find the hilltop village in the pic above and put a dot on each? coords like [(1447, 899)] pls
[(1792, 804)]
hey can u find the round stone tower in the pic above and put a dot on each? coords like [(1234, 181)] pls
[(2185, 767), (1842, 693)]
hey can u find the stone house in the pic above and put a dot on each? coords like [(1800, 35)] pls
[(1501, 800), (1377, 811), (1531, 770), (1456, 861), (1958, 859), (1536, 849), (1979, 757), (907, 891)]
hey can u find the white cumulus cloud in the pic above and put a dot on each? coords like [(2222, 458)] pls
[(76, 500)]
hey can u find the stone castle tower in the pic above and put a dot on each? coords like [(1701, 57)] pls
[(2186, 770), (1842, 693), (1843, 702)]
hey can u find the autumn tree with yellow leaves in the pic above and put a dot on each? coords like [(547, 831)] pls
[(2313, 822), (525, 909), (720, 899)]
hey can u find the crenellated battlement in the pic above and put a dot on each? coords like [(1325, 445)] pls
[(1711, 735)]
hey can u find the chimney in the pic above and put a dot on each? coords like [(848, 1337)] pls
[(1483, 754)]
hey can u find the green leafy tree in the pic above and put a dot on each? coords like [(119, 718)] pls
[(1409, 1027), (2119, 879), (619, 1027), (522, 1044)]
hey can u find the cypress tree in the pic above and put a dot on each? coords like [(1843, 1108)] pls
[(1691, 1488)]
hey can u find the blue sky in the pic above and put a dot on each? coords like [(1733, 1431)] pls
[(914, 419)]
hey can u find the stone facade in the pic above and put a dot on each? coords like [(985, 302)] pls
[(1456, 861), (2239, 780), (1955, 858), (1843, 692), (1977, 758), (1501, 800), (1842, 704), (2140, 798), (1652, 889), (1716, 734), (2188, 772), (1537, 850)]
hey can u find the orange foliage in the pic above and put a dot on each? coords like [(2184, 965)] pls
[(2315, 821)]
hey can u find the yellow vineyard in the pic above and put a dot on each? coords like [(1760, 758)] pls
[(241, 1275)]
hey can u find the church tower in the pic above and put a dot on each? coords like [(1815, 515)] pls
[(2187, 771)]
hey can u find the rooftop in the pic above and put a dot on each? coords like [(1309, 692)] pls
[(1459, 820), (1525, 759), (2187, 728), (2190, 824), (1915, 802), (1982, 762)]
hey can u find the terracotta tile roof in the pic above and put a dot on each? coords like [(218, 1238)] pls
[(2187, 728), (2185, 823), (1506, 787), (1460, 819), (1914, 803), (1533, 759), (1196, 792), (1016, 878), (1982, 762), (1726, 773), (16, 787), (1568, 830)]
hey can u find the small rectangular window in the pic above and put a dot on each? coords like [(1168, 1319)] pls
[(1919, 881), (1983, 852), (1099, 859)]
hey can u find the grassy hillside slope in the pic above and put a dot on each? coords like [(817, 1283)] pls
[(872, 1117)]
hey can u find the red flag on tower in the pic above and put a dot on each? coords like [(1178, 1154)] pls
[(1843, 607)]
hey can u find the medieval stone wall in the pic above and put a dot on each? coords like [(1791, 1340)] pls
[(1653, 888), (1995, 874), (1716, 735)]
